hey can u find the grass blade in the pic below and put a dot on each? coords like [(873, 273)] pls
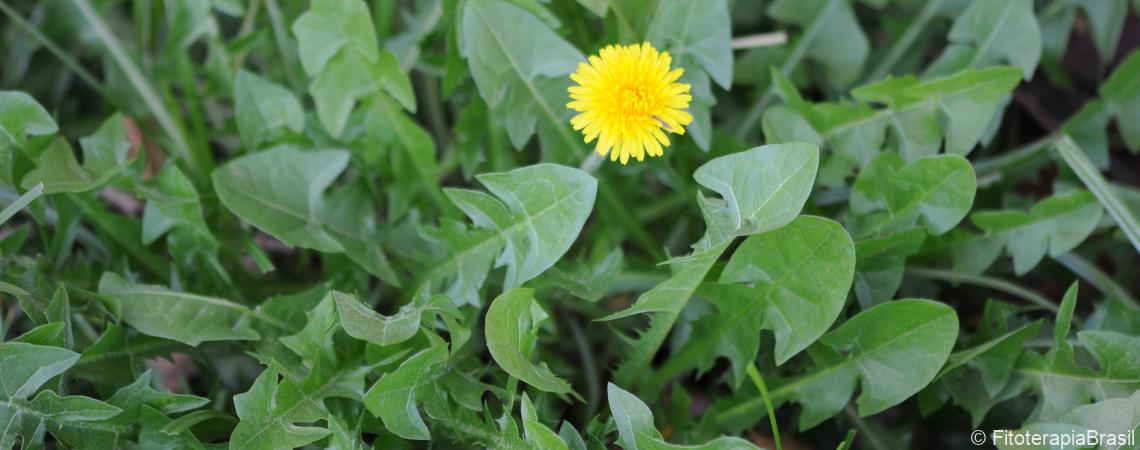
[(150, 97), (1095, 182), (21, 202)]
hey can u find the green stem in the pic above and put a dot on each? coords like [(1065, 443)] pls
[(149, 96), (63, 56), (984, 281), (754, 374), (752, 117), (899, 48), (1095, 182), (1014, 157), (1102, 281)]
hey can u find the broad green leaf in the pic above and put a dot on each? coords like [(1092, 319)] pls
[(519, 65), (534, 216), (262, 425), (74, 420), (992, 32), (21, 116), (104, 155), (761, 189), (1122, 94), (895, 348), (792, 281), (280, 190), (265, 111), (118, 357), (189, 21), (880, 263), (636, 430), (184, 317), (832, 36), (890, 195), (1055, 225), (393, 398), (27, 367), (697, 35), (511, 325)]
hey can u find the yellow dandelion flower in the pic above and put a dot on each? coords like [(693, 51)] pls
[(625, 97)]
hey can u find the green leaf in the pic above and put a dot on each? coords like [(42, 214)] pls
[(393, 398), (332, 25), (880, 263), (511, 328), (175, 208), (1095, 182), (792, 281), (349, 78), (987, 33), (262, 425), (636, 431), (22, 116), (536, 433), (535, 215), (184, 317), (523, 84), (26, 368), (890, 195), (832, 36), (280, 191), (1116, 419), (697, 35), (918, 116), (1122, 94), (965, 102), (315, 341), (22, 202), (265, 111), (895, 348), (104, 157), (1055, 225), (361, 322), (761, 189)]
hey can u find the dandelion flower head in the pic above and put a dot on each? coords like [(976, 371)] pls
[(627, 98)]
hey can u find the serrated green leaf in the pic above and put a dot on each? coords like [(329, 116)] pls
[(991, 32), (890, 195), (1055, 225), (533, 218), (262, 425), (637, 432), (104, 155), (832, 34), (792, 281), (393, 398)]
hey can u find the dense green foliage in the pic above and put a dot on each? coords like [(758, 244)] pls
[(263, 224)]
